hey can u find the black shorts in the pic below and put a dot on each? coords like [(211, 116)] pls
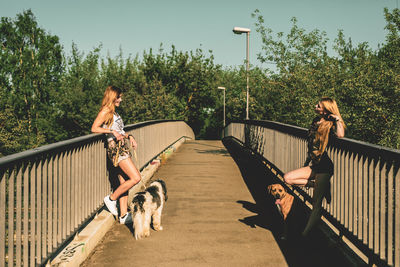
[(325, 165)]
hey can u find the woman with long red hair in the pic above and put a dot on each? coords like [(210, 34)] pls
[(327, 124), (110, 123)]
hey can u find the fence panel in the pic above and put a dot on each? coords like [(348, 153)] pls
[(47, 193), (365, 186)]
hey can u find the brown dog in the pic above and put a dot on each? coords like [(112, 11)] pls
[(283, 199)]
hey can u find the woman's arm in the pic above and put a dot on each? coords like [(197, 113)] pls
[(339, 126), (339, 129), (100, 119)]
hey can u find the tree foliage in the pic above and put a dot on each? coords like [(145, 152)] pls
[(364, 82), (31, 68), (46, 96)]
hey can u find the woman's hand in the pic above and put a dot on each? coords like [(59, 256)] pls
[(339, 125), (118, 136), (333, 117), (133, 141)]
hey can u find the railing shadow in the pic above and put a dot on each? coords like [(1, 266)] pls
[(297, 251)]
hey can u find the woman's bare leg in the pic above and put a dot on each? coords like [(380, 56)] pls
[(133, 174), (298, 177), (123, 199)]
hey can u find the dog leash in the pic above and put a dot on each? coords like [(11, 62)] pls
[(136, 160), (279, 208)]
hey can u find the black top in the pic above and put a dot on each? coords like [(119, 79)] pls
[(312, 144)]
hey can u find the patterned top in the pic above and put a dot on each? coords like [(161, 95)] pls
[(117, 125)]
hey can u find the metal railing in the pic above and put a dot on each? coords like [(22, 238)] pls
[(365, 207), (48, 193)]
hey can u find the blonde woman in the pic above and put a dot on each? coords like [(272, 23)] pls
[(325, 126), (111, 124)]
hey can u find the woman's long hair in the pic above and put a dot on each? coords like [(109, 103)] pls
[(330, 107), (111, 94)]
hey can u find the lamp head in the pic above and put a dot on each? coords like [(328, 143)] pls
[(220, 87), (240, 30)]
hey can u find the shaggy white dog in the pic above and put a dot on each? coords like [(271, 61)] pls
[(146, 207)]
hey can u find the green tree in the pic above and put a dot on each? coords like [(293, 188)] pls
[(364, 82), (31, 68), (81, 94)]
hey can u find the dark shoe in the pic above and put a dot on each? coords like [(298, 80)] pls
[(328, 195)]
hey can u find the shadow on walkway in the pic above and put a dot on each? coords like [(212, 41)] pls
[(298, 252)]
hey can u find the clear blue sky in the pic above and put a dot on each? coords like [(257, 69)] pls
[(135, 26)]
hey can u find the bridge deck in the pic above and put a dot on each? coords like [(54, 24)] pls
[(211, 218)]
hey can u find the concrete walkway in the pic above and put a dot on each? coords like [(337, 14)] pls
[(205, 220)]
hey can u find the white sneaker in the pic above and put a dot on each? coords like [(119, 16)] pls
[(111, 205), (126, 219)]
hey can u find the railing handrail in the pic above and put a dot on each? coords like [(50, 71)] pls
[(10, 159), (347, 142)]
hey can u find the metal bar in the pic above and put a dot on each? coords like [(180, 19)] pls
[(342, 188), (39, 178), (74, 182), (56, 176), (3, 177), (396, 187), (351, 189), (80, 187), (91, 177), (383, 211), (18, 217), (390, 218), (32, 255), (44, 207), (335, 186), (10, 235), (370, 204), (86, 180), (60, 186), (67, 218), (27, 212), (365, 200), (346, 187), (376, 195), (50, 206), (63, 196), (360, 197)]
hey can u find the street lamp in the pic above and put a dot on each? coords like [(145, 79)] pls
[(223, 88), (239, 30)]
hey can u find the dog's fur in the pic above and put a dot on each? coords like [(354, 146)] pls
[(146, 207), (283, 199), (284, 202)]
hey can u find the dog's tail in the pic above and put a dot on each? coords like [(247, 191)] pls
[(164, 188)]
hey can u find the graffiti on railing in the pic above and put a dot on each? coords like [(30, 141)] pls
[(69, 252)]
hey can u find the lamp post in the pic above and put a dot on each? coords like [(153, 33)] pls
[(223, 88), (239, 30)]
